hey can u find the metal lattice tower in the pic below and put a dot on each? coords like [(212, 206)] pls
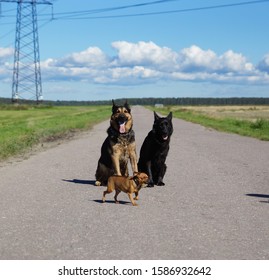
[(26, 82)]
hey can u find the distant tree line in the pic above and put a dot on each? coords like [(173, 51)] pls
[(191, 101), (184, 101)]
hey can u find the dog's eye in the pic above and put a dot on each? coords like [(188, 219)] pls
[(125, 111), (165, 123), (118, 111)]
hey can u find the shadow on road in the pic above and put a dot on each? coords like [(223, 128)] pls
[(111, 201), (259, 195), (79, 181)]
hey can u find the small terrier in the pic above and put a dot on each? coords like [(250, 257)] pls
[(128, 185)]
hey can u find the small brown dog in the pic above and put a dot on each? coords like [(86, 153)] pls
[(128, 185)]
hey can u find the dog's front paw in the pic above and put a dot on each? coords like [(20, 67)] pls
[(150, 185), (161, 183)]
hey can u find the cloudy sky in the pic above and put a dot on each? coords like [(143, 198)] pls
[(96, 50)]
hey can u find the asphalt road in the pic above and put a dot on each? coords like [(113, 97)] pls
[(215, 204)]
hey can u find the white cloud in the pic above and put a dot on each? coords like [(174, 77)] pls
[(91, 57), (146, 62), (6, 53), (195, 59), (5, 64), (264, 64), (144, 54), (234, 62)]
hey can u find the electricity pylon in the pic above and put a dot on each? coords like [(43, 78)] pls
[(26, 83)]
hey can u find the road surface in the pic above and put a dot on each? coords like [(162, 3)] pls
[(215, 204)]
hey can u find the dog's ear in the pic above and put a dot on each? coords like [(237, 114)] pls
[(169, 117), (135, 175), (126, 105), (114, 107), (156, 117)]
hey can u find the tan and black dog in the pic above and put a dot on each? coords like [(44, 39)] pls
[(119, 146), (128, 185)]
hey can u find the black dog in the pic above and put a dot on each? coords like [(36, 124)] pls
[(155, 149)]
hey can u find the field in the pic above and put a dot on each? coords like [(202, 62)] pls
[(250, 121), (22, 127)]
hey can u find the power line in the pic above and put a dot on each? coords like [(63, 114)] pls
[(7, 34), (80, 15), (109, 9), (67, 15)]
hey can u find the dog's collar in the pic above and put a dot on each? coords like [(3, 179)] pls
[(136, 182)]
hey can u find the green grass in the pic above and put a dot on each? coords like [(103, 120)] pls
[(22, 127), (257, 128)]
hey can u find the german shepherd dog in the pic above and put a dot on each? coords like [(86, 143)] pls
[(155, 149), (118, 147)]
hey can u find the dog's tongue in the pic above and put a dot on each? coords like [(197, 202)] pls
[(122, 128)]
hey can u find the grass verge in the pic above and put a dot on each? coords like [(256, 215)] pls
[(222, 120), (22, 127)]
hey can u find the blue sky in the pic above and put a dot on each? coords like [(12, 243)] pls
[(96, 50)]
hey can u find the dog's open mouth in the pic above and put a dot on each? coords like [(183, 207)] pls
[(122, 120), (165, 137), (122, 128)]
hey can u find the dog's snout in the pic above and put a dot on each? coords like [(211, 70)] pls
[(146, 180), (122, 118)]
